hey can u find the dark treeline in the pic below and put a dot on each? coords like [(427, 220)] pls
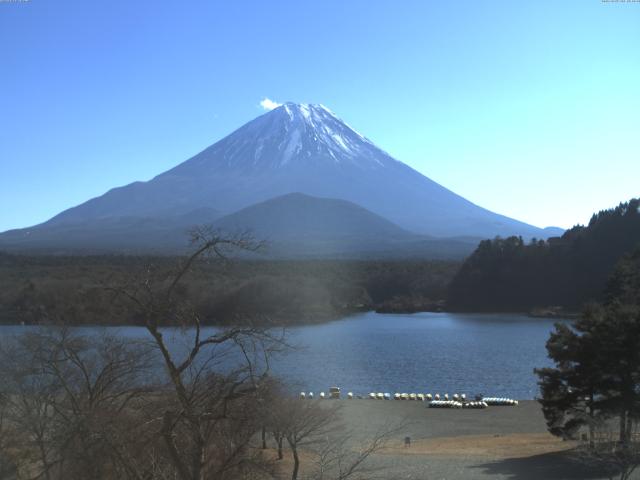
[(75, 289), (511, 275)]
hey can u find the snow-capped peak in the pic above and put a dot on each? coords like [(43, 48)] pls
[(294, 135), (327, 132)]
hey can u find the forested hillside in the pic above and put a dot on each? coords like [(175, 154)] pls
[(511, 275), (75, 290)]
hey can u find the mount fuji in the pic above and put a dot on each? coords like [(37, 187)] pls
[(295, 148)]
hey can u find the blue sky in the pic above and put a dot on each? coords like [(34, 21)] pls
[(530, 109)]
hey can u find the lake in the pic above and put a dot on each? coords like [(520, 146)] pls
[(492, 354)]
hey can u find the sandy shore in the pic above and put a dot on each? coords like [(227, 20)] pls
[(425, 423), (497, 442)]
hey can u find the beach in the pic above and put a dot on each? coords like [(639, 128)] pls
[(509, 442)]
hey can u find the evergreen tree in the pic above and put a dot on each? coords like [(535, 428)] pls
[(624, 286), (597, 372)]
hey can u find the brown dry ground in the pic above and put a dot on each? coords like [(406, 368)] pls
[(514, 445), (495, 443)]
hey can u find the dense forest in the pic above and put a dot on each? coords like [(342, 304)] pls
[(76, 290), (563, 273)]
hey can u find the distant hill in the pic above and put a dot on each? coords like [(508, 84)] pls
[(300, 217), (293, 148), (299, 225), (511, 274)]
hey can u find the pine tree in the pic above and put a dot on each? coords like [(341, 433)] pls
[(597, 363)]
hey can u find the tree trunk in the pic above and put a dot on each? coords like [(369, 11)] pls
[(199, 460), (280, 456), (264, 438), (296, 464), (629, 428), (623, 428), (591, 422), (174, 454), (43, 457)]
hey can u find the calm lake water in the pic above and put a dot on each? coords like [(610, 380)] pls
[(424, 352), (492, 354)]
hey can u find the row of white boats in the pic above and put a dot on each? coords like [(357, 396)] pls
[(484, 403), (456, 404), (435, 401)]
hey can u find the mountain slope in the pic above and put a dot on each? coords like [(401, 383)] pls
[(293, 148), (301, 225), (296, 216), (122, 234)]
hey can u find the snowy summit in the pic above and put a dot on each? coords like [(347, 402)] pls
[(295, 135)]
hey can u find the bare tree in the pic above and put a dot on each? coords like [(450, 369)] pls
[(207, 416), (28, 408), (7, 465), (342, 457), (305, 423), (316, 428), (81, 407), (69, 400)]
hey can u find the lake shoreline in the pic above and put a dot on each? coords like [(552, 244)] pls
[(310, 321)]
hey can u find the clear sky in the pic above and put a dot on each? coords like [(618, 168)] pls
[(530, 109)]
